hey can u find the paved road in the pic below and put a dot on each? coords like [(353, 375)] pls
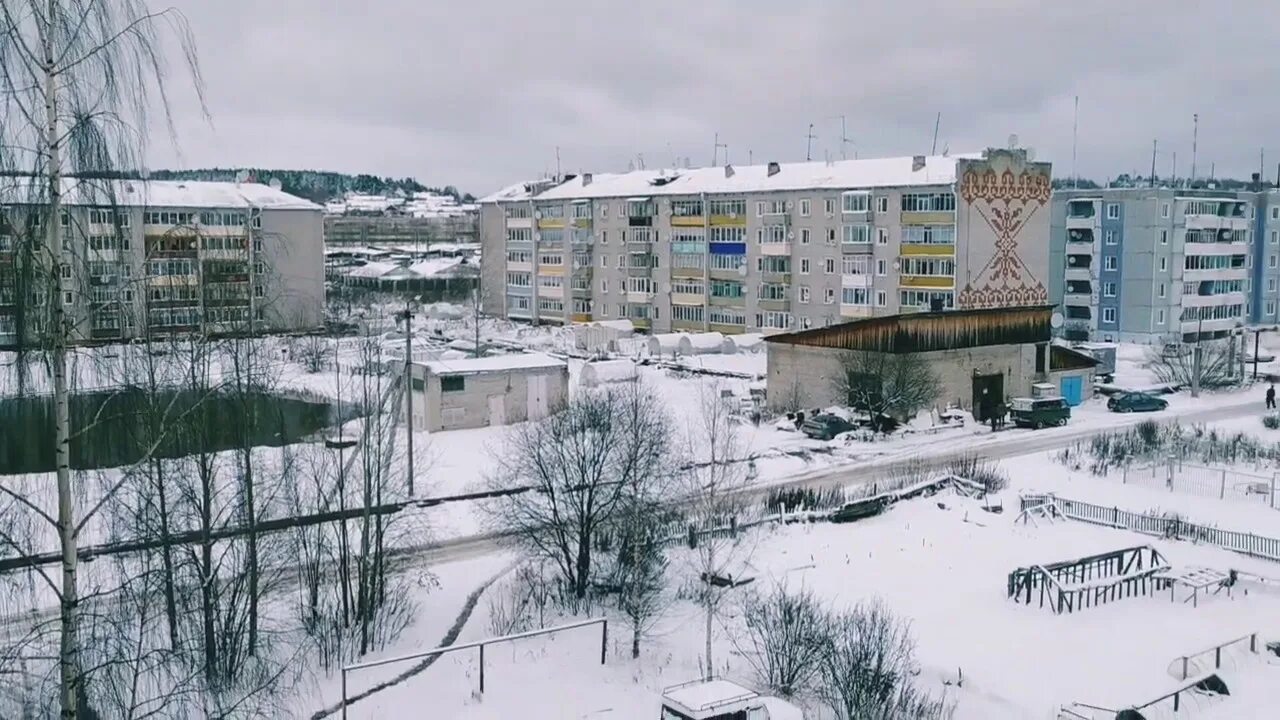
[(990, 446)]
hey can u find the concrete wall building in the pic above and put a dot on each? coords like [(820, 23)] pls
[(165, 257), (981, 357), (773, 247), (1164, 264), (480, 392)]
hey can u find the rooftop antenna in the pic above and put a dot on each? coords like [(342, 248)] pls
[(640, 160), (1195, 136), (1175, 168), (936, 123), (1075, 130), (844, 140), (751, 156), (558, 163), (715, 153), (1154, 144), (808, 152)]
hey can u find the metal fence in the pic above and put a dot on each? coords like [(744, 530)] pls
[(1172, 528), (1212, 482)]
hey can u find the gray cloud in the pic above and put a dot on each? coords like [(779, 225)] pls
[(479, 94)]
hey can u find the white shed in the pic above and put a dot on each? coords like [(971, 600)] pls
[(664, 344), (747, 343), (607, 371), (601, 336), (708, 343)]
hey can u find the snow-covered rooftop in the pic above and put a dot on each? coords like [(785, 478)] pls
[(166, 194), (820, 175), (497, 363), (379, 269), (697, 697)]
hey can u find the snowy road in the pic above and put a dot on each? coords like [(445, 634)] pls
[(995, 446)]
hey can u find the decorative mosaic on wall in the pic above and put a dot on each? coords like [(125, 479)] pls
[(1006, 201)]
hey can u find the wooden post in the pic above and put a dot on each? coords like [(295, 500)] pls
[(604, 639), (482, 668), (1253, 642), (1217, 658), (344, 693)]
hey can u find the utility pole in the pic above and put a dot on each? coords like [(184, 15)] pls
[(1195, 137), (715, 153), (1195, 361), (808, 153), (1075, 132), (1154, 145), (937, 121), (407, 316)]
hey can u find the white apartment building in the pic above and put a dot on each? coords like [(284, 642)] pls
[(163, 257), (772, 247)]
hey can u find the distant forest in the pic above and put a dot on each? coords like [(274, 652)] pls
[(314, 185)]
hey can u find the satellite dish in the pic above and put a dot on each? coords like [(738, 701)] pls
[(742, 270), (275, 184), (241, 176), (1055, 320)]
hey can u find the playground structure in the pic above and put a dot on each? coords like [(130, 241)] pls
[(1071, 585)]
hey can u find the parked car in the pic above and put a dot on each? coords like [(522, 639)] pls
[(1039, 412), (1136, 402), (826, 426)]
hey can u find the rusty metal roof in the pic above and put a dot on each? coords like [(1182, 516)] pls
[(930, 331)]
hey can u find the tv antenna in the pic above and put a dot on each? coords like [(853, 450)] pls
[(1195, 136), (937, 122), (715, 153), (808, 153)]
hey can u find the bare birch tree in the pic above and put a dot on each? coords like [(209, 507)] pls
[(713, 481), (585, 462), (886, 385), (785, 639), (77, 81)]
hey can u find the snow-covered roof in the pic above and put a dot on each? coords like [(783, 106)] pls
[(167, 194), (379, 270), (436, 266), (497, 363), (521, 190), (820, 175), (697, 697)]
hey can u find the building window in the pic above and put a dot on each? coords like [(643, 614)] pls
[(760, 209), (453, 383), (882, 204), (1164, 237), (1271, 284), (1164, 264), (259, 291), (881, 299), (1271, 262), (1108, 315), (1160, 317), (804, 266), (855, 296), (1275, 213), (929, 202), (1164, 210), (857, 234), (1271, 307), (829, 205), (1160, 290), (1109, 262), (1108, 289), (830, 265), (881, 267), (804, 208), (1275, 237), (804, 236), (67, 298), (1113, 211), (829, 296), (855, 202), (831, 236), (1110, 237), (804, 294), (882, 236)]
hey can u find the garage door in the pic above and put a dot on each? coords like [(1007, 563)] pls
[(1072, 389)]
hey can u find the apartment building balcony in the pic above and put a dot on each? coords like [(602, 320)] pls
[(783, 278), (551, 223), (1077, 237), (727, 301), (926, 281), (1078, 312), (554, 293), (928, 249), (641, 323), (582, 223), (687, 298), (640, 221), (779, 305), (1236, 273), (678, 324), (857, 248), (775, 248), (931, 217), (1216, 248), (519, 266), (638, 271), (1211, 326), (864, 280), (522, 223), (776, 218), (686, 272), (688, 221), (727, 220), (855, 311), (726, 328), (726, 273), (640, 297), (522, 290), (516, 311), (582, 239), (1227, 298)]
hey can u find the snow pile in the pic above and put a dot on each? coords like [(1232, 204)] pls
[(701, 343)]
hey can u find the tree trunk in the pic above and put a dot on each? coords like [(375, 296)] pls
[(251, 511), (583, 565), (710, 614), (170, 602), (635, 638), (68, 659)]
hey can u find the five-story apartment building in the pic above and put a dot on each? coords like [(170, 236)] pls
[(770, 247)]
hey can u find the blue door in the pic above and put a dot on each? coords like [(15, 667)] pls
[(1073, 390)]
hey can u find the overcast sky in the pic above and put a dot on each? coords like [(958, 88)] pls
[(479, 94)]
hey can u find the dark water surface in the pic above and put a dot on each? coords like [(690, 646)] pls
[(110, 429)]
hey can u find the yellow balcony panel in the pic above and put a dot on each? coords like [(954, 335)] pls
[(582, 222), (687, 299), (551, 292), (916, 250), (928, 218), (551, 270), (551, 224), (582, 317), (640, 323), (726, 329), (926, 281), (729, 220), (687, 221), (683, 272)]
